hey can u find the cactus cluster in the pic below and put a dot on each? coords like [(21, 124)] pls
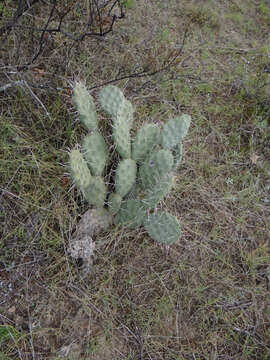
[(140, 168)]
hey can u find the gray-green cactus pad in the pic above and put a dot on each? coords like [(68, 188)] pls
[(85, 106), (158, 192), (121, 136), (125, 176), (174, 131), (163, 227), (126, 111), (156, 167), (131, 214), (135, 192), (79, 170), (95, 192), (95, 152), (111, 98), (145, 140), (114, 203)]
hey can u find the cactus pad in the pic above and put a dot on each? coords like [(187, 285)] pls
[(145, 140), (95, 152), (121, 136), (111, 99), (126, 110), (158, 192), (131, 214), (125, 176), (174, 131), (79, 170), (114, 203), (156, 167), (85, 106), (163, 227), (95, 192)]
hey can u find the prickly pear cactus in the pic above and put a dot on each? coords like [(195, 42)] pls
[(163, 227), (141, 168)]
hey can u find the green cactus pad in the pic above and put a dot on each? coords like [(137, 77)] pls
[(114, 203), (85, 106), (156, 167), (126, 111), (158, 192), (95, 152), (135, 192), (95, 192), (163, 227), (121, 136), (125, 176), (79, 170), (174, 131), (111, 98), (145, 140), (131, 214)]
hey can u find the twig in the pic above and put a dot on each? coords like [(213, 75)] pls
[(144, 73), (15, 342), (9, 85), (41, 40), (24, 83), (19, 12), (37, 99), (95, 21)]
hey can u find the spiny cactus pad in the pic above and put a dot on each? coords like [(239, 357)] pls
[(174, 131), (114, 203), (111, 98), (131, 214), (157, 193), (126, 110), (95, 152), (85, 106), (121, 136), (125, 176), (95, 192), (79, 170), (163, 227), (146, 138), (156, 167)]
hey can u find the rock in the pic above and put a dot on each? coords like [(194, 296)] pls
[(82, 245)]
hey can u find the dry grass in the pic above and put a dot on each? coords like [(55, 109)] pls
[(208, 296)]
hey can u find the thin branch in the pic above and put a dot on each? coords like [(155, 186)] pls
[(9, 85), (23, 83), (37, 99), (59, 13), (19, 12), (41, 40), (144, 73)]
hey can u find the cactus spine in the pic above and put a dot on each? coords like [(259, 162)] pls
[(143, 176)]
